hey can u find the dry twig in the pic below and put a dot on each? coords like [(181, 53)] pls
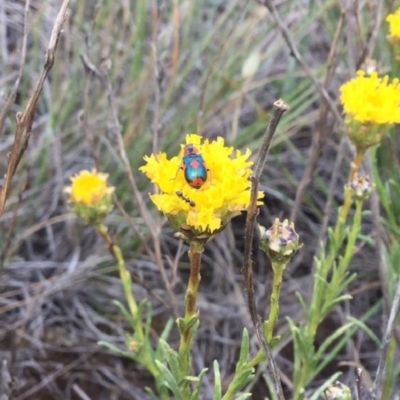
[(25, 119), (279, 108)]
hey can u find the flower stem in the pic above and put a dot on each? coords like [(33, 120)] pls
[(188, 324), (274, 299), (123, 272), (195, 251)]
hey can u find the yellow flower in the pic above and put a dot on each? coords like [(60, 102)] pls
[(370, 99), (89, 187), (208, 208), (371, 105), (90, 195), (394, 24)]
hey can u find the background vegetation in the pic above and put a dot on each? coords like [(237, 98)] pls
[(212, 67)]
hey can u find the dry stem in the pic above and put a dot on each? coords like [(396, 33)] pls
[(279, 108), (25, 119)]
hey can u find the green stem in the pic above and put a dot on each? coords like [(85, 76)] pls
[(123, 272), (188, 325), (317, 311), (146, 358), (334, 247), (278, 269), (351, 241)]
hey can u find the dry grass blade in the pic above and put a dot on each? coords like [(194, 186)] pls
[(25, 119)]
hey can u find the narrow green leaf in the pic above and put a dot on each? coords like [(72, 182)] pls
[(368, 331), (329, 340), (116, 350), (125, 313), (217, 382), (167, 329), (169, 380), (301, 301), (196, 392), (161, 353), (243, 396), (151, 393), (244, 349)]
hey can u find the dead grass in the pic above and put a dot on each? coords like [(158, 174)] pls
[(175, 76)]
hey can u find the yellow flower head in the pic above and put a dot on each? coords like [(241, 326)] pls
[(90, 195), (203, 206), (394, 24), (371, 105), (89, 187), (370, 99)]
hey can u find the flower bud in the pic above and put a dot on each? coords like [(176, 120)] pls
[(338, 391), (280, 241), (360, 187)]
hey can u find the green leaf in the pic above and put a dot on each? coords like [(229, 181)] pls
[(196, 392), (125, 312), (244, 349), (271, 387), (118, 351), (274, 341), (368, 331), (217, 382), (151, 393), (168, 380), (142, 307), (301, 301), (173, 361), (162, 350), (243, 396), (329, 340), (167, 329)]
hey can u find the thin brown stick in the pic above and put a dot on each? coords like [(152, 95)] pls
[(13, 94), (25, 119), (279, 108), (358, 383)]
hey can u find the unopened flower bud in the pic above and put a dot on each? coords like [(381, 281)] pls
[(280, 241), (361, 187), (338, 391)]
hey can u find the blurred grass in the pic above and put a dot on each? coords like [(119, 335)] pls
[(200, 49)]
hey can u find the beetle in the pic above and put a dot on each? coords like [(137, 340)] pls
[(194, 167)]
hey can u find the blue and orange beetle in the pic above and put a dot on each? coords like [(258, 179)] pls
[(194, 167)]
